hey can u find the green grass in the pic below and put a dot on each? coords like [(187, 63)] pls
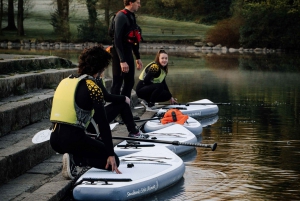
[(37, 25), (151, 27)]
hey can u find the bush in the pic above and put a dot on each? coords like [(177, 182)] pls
[(270, 26), (61, 27), (97, 33), (225, 32)]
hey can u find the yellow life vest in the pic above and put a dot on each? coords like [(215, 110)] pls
[(158, 79), (64, 109)]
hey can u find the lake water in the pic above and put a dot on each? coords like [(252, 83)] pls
[(258, 135)]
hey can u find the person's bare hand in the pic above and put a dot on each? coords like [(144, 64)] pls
[(127, 100), (173, 100), (112, 162), (124, 67), (139, 64)]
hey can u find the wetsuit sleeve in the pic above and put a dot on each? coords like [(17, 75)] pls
[(152, 71), (135, 49), (108, 97), (97, 97), (120, 32)]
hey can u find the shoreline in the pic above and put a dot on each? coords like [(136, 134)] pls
[(197, 47)]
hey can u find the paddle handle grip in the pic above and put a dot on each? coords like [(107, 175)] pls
[(212, 146)]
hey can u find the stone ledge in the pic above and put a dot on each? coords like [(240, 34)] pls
[(29, 63), (24, 83)]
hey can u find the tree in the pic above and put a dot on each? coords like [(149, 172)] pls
[(110, 7), (92, 11), (20, 18), (270, 23), (11, 26), (60, 20), (1, 14)]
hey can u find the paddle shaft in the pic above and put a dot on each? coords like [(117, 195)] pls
[(141, 120), (213, 146), (187, 104)]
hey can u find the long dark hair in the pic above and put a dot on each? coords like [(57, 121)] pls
[(93, 60), (165, 68)]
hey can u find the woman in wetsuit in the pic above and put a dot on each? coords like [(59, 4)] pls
[(152, 86), (75, 102)]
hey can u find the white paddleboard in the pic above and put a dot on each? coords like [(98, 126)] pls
[(191, 124), (200, 110), (143, 173), (171, 133)]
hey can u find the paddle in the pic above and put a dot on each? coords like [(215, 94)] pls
[(140, 120), (212, 146), (44, 136), (187, 104)]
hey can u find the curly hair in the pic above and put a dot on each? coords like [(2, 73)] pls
[(93, 60)]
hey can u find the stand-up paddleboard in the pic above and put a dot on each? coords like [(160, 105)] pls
[(143, 173), (171, 133), (195, 109), (208, 121), (191, 124)]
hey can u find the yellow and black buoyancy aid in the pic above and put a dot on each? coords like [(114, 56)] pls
[(153, 65), (64, 108)]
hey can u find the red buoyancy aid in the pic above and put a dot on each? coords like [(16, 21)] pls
[(174, 115), (134, 35)]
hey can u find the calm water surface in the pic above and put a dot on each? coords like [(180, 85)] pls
[(258, 134)]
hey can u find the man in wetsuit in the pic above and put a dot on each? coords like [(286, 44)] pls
[(125, 42)]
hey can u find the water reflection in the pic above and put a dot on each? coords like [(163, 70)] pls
[(258, 134)]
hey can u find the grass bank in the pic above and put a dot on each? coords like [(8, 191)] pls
[(37, 25)]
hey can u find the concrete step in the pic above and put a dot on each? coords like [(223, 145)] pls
[(20, 84), (17, 112), (18, 154)]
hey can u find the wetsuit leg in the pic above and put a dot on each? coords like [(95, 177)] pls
[(128, 77), (112, 111), (86, 151), (117, 73), (153, 93), (119, 77)]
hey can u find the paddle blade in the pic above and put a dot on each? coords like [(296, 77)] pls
[(214, 146), (112, 126), (41, 136)]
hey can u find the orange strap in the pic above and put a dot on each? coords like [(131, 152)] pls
[(174, 115)]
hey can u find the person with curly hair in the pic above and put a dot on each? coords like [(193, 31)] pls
[(152, 86), (77, 102)]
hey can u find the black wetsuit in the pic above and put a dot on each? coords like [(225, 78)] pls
[(71, 139), (117, 106), (153, 92), (122, 52)]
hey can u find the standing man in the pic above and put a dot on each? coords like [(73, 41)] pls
[(127, 36)]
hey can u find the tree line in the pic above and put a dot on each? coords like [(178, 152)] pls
[(247, 23)]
